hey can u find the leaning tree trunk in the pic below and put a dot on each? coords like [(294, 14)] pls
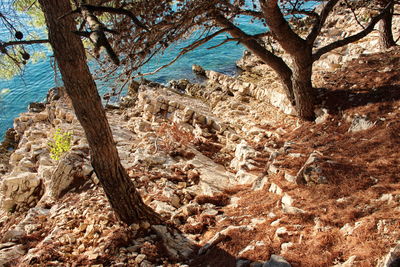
[(81, 88), (386, 39)]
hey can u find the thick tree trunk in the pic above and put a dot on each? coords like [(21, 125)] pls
[(386, 39), (304, 93), (81, 88)]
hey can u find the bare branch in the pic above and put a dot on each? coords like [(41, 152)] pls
[(304, 12), (204, 40), (97, 35), (319, 23), (354, 14), (224, 42), (160, 68), (27, 42), (184, 51), (120, 11), (352, 38)]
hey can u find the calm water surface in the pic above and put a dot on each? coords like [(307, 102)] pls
[(37, 79)]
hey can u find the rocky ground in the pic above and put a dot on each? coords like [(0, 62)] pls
[(225, 163)]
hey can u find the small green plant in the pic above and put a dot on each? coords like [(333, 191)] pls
[(60, 143)]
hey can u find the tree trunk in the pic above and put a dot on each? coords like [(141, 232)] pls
[(81, 88), (303, 91), (385, 28)]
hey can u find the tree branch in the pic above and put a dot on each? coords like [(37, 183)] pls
[(352, 38), (184, 50), (319, 23), (275, 62), (97, 35), (280, 28), (111, 10), (354, 14), (304, 12), (27, 42), (120, 11)]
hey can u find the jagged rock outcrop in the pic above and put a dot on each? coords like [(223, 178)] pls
[(20, 191), (69, 173)]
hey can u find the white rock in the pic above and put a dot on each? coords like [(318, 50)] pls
[(360, 124), (290, 178), (67, 173), (274, 188), (348, 263), (287, 200), (17, 189), (177, 245), (390, 258), (163, 208), (281, 231), (286, 246), (244, 177)]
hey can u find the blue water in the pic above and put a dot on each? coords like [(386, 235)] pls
[(38, 78)]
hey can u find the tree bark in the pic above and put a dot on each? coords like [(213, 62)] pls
[(300, 52), (81, 88), (303, 91), (386, 39)]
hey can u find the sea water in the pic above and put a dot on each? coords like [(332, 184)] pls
[(38, 78)]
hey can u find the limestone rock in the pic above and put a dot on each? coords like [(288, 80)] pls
[(243, 155), (322, 115), (20, 190), (163, 208), (311, 172), (10, 252), (392, 259), (348, 263), (54, 94), (67, 174), (244, 177), (280, 101), (198, 70), (179, 85), (36, 107), (274, 188), (178, 246), (213, 177), (360, 124)]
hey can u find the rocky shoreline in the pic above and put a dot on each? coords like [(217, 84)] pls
[(222, 161)]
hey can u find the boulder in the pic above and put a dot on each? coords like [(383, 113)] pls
[(198, 70), (20, 190), (311, 172), (54, 94), (392, 259), (360, 124), (10, 141), (67, 175), (179, 85), (176, 244), (36, 107), (213, 177), (243, 155), (10, 252), (280, 101)]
